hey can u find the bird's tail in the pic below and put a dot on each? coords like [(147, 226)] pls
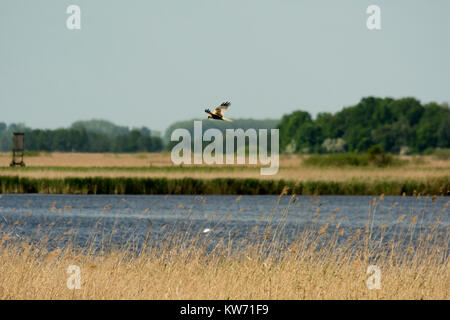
[(225, 119)]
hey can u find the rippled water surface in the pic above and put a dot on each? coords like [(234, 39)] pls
[(121, 220)]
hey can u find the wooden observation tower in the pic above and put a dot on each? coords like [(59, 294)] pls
[(18, 149)]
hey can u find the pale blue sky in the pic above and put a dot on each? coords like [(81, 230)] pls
[(155, 62)]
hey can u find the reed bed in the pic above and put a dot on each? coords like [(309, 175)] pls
[(323, 261), (421, 169), (122, 185)]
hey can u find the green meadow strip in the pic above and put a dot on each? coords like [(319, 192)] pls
[(107, 185)]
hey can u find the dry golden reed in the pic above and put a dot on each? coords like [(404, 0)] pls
[(180, 269), (300, 274)]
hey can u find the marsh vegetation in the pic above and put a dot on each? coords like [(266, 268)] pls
[(325, 257)]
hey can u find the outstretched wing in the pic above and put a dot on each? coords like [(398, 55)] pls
[(220, 110)]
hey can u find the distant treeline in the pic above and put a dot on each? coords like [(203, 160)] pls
[(83, 136), (397, 125), (244, 124), (400, 126)]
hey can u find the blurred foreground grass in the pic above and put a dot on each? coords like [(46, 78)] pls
[(326, 261)]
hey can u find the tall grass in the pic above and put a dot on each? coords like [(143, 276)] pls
[(323, 261), (105, 185)]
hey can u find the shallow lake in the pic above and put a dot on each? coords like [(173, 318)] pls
[(130, 219)]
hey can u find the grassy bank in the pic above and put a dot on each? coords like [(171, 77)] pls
[(148, 173), (121, 185)]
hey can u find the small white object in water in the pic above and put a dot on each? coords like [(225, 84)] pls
[(206, 230)]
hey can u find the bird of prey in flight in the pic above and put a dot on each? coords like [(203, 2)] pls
[(218, 112)]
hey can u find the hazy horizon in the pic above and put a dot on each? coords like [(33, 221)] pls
[(138, 63)]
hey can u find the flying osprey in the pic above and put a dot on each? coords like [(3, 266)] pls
[(218, 112)]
